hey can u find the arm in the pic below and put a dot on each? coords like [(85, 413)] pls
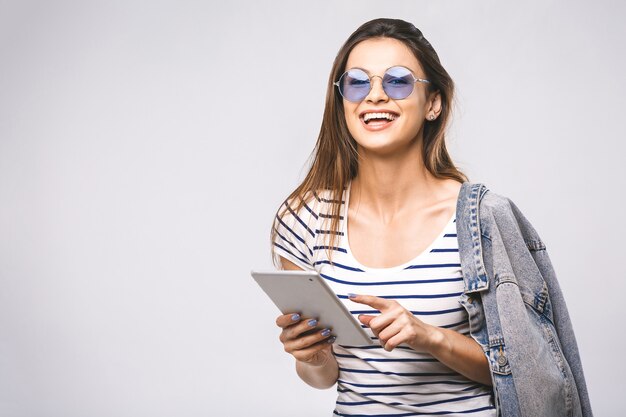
[(461, 353), (315, 363), (396, 325), (320, 376)]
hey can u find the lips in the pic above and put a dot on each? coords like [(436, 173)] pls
[(377, 120)]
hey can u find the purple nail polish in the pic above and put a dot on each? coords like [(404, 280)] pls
[(326, 332), (312, 322), (295, 317)]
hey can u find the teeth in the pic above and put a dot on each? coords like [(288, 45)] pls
[(369, 116)]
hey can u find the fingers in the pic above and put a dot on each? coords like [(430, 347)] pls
[(391, 313), (299, 335), (316, 354), (366, 319), (302, 345), (391, 334), (286, 320), (392, 327), (377, 323), (303, 334), (378, 303), (394, 341)]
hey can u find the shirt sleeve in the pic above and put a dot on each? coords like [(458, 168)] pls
[(295, 235)]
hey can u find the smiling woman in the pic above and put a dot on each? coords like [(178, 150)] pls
[(389, 221)]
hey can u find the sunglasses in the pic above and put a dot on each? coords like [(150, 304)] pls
[(355, 84)]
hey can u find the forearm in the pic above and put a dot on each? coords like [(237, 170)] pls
[(320, 377), (460, 353)]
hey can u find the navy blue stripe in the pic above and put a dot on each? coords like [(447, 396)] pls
[(432, 266), (311, 211), (341, 355), (374, 394), (294, 246), (385, 393), (434, 413), (450, 400), (447, 326), (417, 313), (292, 232), (349, 268), (292, 254), (444, 250), (373, 347), (413, 384), (300, 221), (330, 247), (330, 216), (393, 297), (359, 403), (328, 232), (320, 199), (375, 371), (450, 235), (423, 281)]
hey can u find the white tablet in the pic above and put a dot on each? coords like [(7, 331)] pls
[(307, 293)]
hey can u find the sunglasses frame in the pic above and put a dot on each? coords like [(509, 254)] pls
[(415, 80)]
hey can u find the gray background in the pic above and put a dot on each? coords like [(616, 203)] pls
[(144, 147)]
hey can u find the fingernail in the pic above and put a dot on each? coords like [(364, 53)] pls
[(295, 317), (326, 332), (350, 295), (331, 339), (312, 322)]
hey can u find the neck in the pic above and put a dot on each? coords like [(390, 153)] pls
[(387, 185)]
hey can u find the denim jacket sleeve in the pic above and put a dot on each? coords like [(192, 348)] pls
[(521, 319)]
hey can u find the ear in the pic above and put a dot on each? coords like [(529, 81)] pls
[(434, 105)]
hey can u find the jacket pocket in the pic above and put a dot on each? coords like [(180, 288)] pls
[(497, 355)]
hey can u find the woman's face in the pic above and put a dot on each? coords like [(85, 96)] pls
[(375, 56)]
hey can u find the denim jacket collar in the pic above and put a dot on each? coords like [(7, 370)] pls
[(468, 229)]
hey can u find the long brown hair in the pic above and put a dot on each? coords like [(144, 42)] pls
[(335, 159)]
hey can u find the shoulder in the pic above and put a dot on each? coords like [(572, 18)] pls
[(295, 228), (498, 210), (493, 206), (304, 215), (495, 203), (302, 208)]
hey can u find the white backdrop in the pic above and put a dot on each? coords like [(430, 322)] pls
[(145, 146)]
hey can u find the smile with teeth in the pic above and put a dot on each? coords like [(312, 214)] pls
[(367, 117)]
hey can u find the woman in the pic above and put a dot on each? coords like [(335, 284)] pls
[(377, 216)]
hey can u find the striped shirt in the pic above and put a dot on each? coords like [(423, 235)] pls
[(372, 381)]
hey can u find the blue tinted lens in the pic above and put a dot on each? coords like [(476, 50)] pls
[(398, 83), (354, 85)]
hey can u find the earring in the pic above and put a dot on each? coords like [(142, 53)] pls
[(431, 117)]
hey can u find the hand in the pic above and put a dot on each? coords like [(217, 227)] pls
[(305, 340), (396, 325)]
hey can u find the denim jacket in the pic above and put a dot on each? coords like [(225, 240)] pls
[(516, 310)]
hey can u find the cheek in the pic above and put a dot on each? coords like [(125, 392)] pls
[(414, 118), (413, 124), (352, 120)]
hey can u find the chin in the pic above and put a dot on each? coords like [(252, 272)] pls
[(385, 147)]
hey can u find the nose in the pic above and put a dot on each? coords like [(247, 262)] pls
[(377, 93)]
